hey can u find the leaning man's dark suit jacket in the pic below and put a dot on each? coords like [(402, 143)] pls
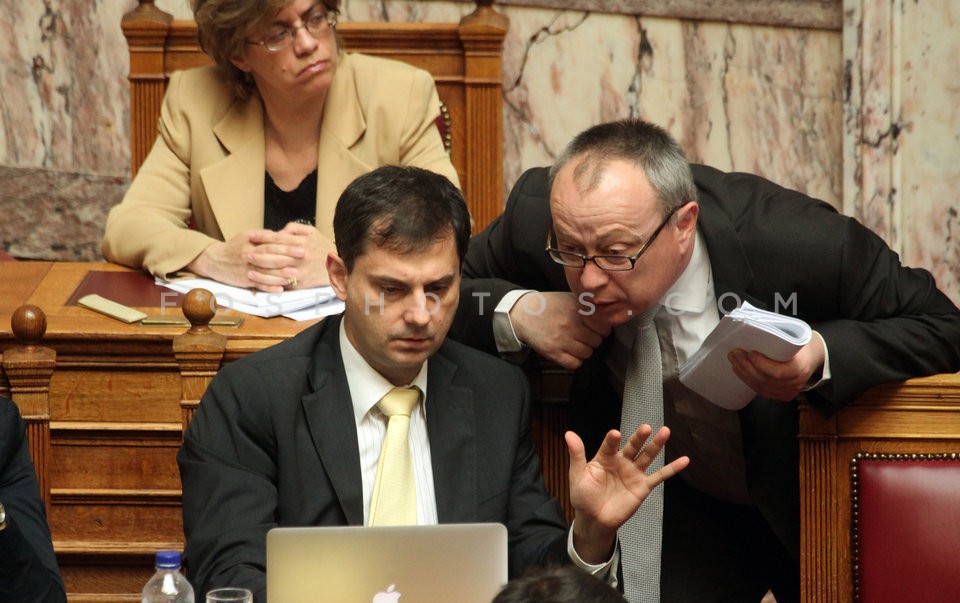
[(274, 443), (880, 320)]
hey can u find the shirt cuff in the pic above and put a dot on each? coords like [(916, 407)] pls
[(605, 571), (825, 373), (503, 333)]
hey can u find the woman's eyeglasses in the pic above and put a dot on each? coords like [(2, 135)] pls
[(316, 23)]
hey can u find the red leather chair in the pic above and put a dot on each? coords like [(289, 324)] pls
[(906, 527)]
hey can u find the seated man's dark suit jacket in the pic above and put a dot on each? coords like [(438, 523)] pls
[(274, 443), (28, 567), (880, 321)]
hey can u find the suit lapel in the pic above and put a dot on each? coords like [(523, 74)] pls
[(732, 272), (234, 185), (342, 127), (330, 420), (451, 422)]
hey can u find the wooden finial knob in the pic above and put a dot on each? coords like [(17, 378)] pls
[(485, 16), (199, 306), (147, 11), (29, 323)]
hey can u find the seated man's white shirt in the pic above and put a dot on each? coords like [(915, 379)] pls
[(367, 387)]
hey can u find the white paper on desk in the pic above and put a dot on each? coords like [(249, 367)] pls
[(709, 373), (256, 303), (334, 306)]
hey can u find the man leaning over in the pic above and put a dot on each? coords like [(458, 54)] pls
[(633, 229)]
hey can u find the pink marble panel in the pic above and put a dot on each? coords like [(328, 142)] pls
[(65, 93), (901, 127), (816, 14), (929, 142), (404, 11), (752, 98)]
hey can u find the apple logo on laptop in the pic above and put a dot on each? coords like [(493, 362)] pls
[(387, 596)]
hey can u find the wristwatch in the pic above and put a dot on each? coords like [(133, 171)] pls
[(3, 517)]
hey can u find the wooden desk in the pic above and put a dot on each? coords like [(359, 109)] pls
[(105, 444)]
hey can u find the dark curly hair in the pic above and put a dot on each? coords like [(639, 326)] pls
[(224, 26)]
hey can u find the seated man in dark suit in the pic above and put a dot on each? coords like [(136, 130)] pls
[(28, 567), (633, 230), (291, 436)]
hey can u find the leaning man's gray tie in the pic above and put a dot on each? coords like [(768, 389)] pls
[(640, 537)]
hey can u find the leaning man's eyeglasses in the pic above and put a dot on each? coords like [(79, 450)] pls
[(572, 259), (316, 23)]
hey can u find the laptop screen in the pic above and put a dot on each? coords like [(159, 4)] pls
[(466, 563)]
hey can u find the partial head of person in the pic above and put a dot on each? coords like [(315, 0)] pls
[(624, 212), (286, 45), (401, 234), (558, 584)]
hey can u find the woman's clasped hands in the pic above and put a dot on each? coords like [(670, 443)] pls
[(267, 260)]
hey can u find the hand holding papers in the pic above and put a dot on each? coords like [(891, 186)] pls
[(708, 371), (298, 304)]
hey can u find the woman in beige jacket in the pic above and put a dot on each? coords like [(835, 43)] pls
[(253, 153)]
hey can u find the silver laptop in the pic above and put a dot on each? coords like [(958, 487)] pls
[(465, 563)]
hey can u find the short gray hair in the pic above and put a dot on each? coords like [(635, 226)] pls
[(649, 147)]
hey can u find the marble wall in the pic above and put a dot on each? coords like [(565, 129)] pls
[(760, 99), (790, 89), (901, 156), (64, 91)]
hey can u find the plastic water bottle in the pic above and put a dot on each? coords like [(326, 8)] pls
[(168, 585)]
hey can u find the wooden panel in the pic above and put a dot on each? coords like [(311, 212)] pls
[(550, 387), (106, 575), (107, 393), (115, 456), (482, 34), (93, 518), (91, 580)]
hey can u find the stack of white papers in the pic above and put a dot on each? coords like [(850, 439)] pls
[(298, 304), (709, 373)]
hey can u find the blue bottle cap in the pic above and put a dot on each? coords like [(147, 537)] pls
[(168, 560)]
